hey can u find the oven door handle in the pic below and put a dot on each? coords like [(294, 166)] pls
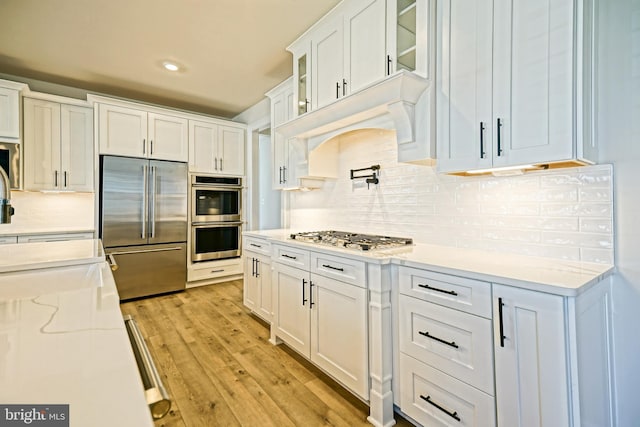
[(215, 224)]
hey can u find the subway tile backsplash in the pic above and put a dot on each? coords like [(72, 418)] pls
[(563, 213)]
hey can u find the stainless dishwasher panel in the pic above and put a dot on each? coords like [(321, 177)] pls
[(148, 270)]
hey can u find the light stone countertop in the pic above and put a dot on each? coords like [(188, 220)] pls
[(28, 256), (560, 277), (24, 230), (63, 338)]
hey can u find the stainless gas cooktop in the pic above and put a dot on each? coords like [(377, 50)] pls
[(342, 239)]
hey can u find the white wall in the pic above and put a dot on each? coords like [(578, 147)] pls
[(566, 213), (619, 134)]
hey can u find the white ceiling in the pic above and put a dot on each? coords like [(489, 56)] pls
[(232, 51)]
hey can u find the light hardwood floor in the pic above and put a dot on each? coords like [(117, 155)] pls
[(220, 370)]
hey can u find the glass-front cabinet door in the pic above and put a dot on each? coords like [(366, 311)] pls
[(406, 37), (302, 77), (410, 36), (303, 99)]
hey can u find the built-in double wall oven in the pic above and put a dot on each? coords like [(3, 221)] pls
[(216, 217)]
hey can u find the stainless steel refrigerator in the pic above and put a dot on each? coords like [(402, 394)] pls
[(143, 226)]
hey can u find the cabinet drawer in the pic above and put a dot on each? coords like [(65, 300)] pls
[(291, 256), (472, 296), (340, 268), (257, 245), (454, 342), (6, 240), (213, 271), (434, 398)]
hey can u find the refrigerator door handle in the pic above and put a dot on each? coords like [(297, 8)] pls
[(152, 208), (144, 251), (145, 201), (112, 262)]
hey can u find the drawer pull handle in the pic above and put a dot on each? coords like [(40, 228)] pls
[(221, 270), (454, 293), (332, 267), (289, 256), (255, 246), (450, 344), (453, 415)]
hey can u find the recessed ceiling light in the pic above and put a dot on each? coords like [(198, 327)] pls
[(170, 66)]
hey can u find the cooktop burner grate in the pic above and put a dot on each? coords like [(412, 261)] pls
[(344, 239)]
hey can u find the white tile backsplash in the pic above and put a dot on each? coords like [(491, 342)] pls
[(53, 210), (562, 213)]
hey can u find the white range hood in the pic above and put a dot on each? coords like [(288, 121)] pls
[(389, 104)]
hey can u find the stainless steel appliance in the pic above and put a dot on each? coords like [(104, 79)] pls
[(363, 242), (143, 210), (216, 212), (219, 240), (215, 199)]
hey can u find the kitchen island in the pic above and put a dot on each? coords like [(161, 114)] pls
[(62, 335)]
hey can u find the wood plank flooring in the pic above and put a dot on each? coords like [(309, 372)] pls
[(220, 370)]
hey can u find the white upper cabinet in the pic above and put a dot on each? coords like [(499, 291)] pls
[(282, 99), (511, 84), (134, 132), (464, 85), (215, 148), (328, 63), (349, 51), (231, 150), (9, 113), (168, 137), (365, 59), (58, 146), (342, 53)]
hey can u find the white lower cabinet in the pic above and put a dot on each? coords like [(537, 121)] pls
[(445, 348), (257, 291), (548, 355), (322, 318), (436, 399), (532, 359), (204, 273)]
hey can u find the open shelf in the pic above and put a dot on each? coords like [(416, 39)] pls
[(407, 17)]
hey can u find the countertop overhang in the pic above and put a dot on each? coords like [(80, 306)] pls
[(63, 338), (560, 277)]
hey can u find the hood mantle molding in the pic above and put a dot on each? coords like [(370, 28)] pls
[(394, 97)]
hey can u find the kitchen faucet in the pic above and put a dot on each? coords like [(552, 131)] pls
[(5, 194)]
